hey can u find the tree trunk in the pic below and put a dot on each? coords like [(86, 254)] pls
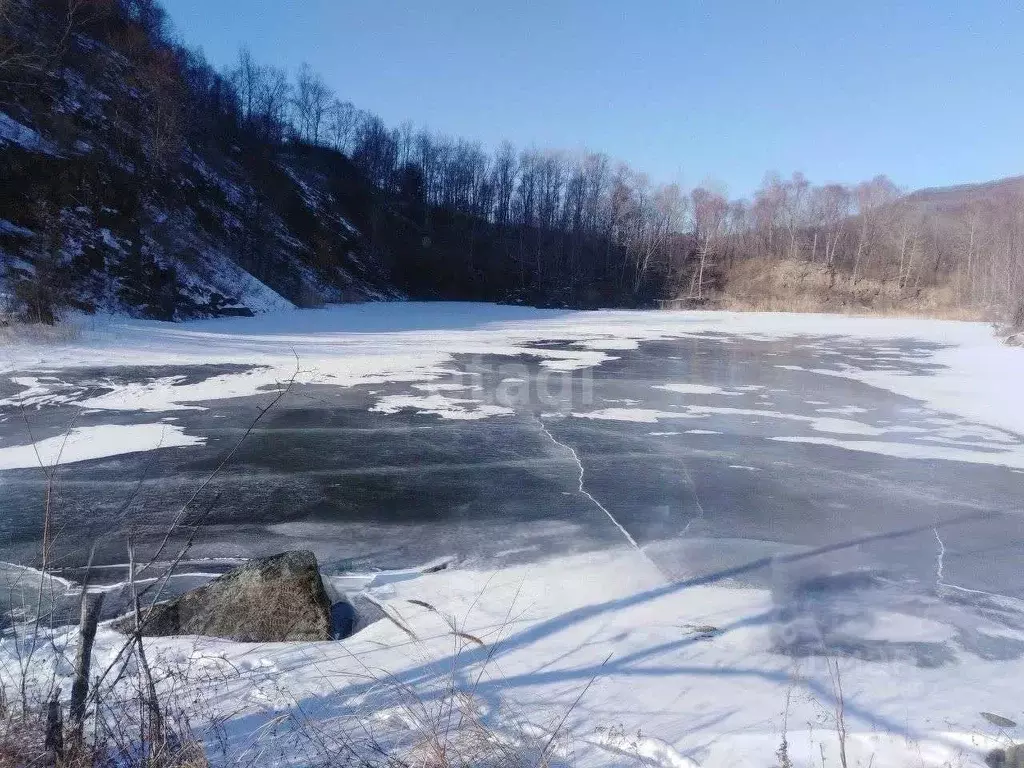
[(54, 743), (91, 605)]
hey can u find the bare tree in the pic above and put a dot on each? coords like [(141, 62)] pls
[(247, 77), (769, 203), (375, 151), (830, 211), (272, 99), (794, 198), (505, 174), (871, 198), (709, 211), (311, 100), (341, 124), (904, 234)]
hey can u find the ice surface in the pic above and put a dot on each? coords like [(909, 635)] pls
[(979, 377), (689, 669)]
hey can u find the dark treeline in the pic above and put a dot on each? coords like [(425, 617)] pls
[(578, 228), (535, 225), (456, 220)]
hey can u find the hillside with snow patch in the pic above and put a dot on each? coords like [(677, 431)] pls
[(105, 211)]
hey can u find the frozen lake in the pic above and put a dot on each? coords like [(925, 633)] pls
[(714, 453), (701, 513)]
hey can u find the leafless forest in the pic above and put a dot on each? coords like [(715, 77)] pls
[(450, 218)]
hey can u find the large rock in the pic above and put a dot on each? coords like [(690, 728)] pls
[(269, 599), (1011, 757)]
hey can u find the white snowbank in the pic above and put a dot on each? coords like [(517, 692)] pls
[(648, 416), (1012, 457), (673, 674), (97, 442), (696, 389), (438, 405), (639, 415)]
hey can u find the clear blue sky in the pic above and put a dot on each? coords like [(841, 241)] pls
[(928, 91)]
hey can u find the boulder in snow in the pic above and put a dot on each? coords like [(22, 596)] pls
[(1011, 757), (270, 599)]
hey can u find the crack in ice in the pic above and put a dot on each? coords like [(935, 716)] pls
[(941, 562), (583, 491), (940, 569), (696, 499)]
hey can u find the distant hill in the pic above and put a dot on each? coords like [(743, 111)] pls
[(956, 199)]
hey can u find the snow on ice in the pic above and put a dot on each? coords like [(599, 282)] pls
[(98, 442)]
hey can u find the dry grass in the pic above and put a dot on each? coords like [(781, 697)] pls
[(23, 742), (447, 724), (18, 332), (798, 286)]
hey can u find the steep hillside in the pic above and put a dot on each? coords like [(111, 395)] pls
[(103, 207)]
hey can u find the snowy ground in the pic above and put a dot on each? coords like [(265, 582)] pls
[(714, 502)]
